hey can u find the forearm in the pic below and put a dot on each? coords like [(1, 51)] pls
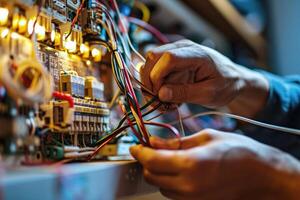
[(252, 96)]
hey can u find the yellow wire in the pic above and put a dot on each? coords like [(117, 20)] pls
[(138, 121), (145, 11)]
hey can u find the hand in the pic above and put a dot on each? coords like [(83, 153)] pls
[(188, 72), (218, 165)]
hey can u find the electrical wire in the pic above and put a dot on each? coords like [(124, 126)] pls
[(120, 45), (75, 18), (180, 121), (144, 9), (151, 29), (244, 119)]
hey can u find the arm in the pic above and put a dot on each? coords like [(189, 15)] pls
[(282, 108)]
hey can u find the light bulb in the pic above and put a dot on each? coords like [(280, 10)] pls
[(3, 16)]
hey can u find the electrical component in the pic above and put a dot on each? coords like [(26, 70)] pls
[(59, 11), (72, 84), (4, 32), (85, 50), (96, 54), (94, 89), (22, 25)]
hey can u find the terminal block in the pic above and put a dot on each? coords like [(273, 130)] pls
[(72, 84), (94, 89)]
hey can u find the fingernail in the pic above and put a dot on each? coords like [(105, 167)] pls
[(165, 94), (150, 55)]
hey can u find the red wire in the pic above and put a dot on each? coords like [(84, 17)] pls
[(167, 126), (130, 88), (151, 29), (76, 17), (66, 97)]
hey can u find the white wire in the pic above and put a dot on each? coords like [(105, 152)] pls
[(180, 121), (251, 121), (126, 34)]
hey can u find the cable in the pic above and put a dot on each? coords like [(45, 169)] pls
[(145, 12), (151, 29), (244, 119), (121, 73), (144, 9), (75, 18), (180, 121), (126, 31)]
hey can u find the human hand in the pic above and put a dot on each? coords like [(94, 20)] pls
[(218, 165), (186, 72)]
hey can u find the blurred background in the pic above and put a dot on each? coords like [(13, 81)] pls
[(255, 33)]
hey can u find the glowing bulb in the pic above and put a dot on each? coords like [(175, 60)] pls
[(3, 16), (40, 32), (22, 24), (84, 50), (30, 26), (96, 54), (70, 46), (88, 62), (52, 36), (14, 35), (4, 33)]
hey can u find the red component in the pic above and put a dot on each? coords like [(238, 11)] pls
[(66, 97)]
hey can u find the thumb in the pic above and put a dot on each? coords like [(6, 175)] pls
[(197, 139)]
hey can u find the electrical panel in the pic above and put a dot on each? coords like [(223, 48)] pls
[(54, 87)]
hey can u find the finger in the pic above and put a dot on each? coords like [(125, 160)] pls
[(146, 69), (197, 139), (175, 60), (161, 180), (169, 144), (154, 55), (158, 161)]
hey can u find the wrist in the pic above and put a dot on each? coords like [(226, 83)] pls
[(252, 95)]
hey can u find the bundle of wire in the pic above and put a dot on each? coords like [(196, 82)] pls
[(120, 46)]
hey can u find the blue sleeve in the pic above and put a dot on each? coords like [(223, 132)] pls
[(283, 109)]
